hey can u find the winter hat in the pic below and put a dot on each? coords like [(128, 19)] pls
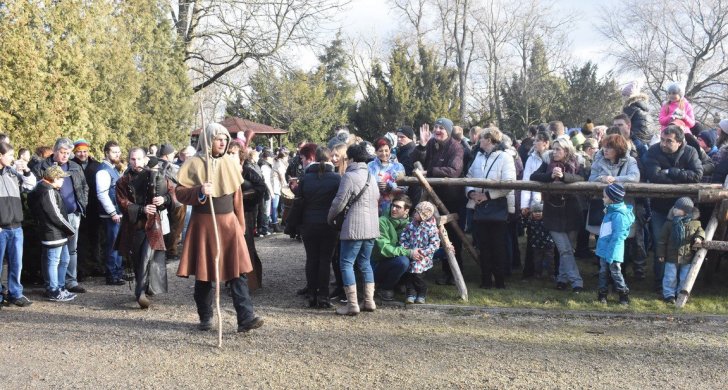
[(189, 151), (446, 123), (685, 204), (708, 136), (674, 88), (54, 172), (407, 132), (425, 209), (80, 145), (632, 88), (536, 207), (615, 192), (723, 124), (238, 142), (165, 149)]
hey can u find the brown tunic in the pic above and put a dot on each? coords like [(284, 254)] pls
[(198, 253)]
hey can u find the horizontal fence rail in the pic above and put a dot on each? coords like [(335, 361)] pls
[(703, 193)]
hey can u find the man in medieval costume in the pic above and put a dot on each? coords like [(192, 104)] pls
[(213, 178), (142, 193)]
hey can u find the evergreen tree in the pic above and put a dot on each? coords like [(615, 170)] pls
[(587, 96)]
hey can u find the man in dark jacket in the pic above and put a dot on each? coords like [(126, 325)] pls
[(14, 179), (442, 156), (90, 244), (669, 162), (74, 193)]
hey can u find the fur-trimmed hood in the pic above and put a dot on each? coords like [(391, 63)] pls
[(640, 99)]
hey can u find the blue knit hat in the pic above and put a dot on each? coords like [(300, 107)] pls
[(615, 192), (446, 123)]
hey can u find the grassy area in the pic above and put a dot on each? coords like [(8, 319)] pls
[(710, 295)]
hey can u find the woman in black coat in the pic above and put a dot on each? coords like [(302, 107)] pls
[(317, 189)]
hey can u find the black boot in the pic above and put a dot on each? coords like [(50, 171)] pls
[(624, 298), (323, 302), (602, 297)]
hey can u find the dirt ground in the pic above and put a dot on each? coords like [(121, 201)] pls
[(102, 340)]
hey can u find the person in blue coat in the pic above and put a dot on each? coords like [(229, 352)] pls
[(618, 218)]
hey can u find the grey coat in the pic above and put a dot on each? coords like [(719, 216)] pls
[(362, 221)]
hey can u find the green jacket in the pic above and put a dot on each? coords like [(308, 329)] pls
[(387, 245), (682, 252)]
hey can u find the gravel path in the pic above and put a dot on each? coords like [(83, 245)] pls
[(102, 340)]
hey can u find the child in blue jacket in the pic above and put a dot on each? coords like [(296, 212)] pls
[(618, 218)]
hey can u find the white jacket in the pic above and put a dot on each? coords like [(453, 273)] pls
[(533, 163), (500, 166)]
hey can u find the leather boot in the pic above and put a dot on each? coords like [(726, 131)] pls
[(352, 306), (369, 304)]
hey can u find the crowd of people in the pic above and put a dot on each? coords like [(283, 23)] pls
[(343, 201)]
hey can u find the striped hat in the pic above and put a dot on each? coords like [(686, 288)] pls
[(615, 192), (80, 144)]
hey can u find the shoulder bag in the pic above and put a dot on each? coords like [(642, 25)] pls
[(491, 210), (338, 221)]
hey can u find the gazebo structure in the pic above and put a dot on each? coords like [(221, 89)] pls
[(237, 126)]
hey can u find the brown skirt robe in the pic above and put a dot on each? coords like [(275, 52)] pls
[(199, 249)]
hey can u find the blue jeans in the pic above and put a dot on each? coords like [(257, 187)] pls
[(389, 271), (274, 208), (72, 244), (11, 240), (615, 269), (674, 274), (359, 252), (568, 270), (114, 270), (658, 219), (55, 262)]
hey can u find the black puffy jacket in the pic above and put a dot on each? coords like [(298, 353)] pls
[(318, 192), (48, 208), (637, 110)]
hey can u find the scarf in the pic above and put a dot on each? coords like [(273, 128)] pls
[(678, 228)]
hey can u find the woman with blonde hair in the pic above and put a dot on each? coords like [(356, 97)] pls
[(561, 217)]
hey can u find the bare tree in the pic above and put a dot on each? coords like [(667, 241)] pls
[(414, 12), (673, 41), (220, 36)]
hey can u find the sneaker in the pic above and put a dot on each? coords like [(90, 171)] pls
[(420, 300), (386, 295), (115, 282), (60, 296), (561, 286), (577, 290), (602, 298), (21, 302), (623, 299), (670, 300), (77, 289), (255, 323), (410, 299)]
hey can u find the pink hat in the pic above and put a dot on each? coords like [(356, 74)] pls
[(632, 88)]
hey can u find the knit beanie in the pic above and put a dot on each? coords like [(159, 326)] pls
[(425, 209), (723, 124), (685, 204), (615, 192), (407, 131), (446, 123), (536, 207), (80, 144), (674, 88), (708, 136), (632, 88)]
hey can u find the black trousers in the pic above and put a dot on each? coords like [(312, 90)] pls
[(415, 283), (241, 299), (492, 243), (319, 240)]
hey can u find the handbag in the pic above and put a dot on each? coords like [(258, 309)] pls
[(494, 210), (295, 215), (338, 221)]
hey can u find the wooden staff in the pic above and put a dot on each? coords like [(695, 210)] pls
[(209, 169), (452, 261)]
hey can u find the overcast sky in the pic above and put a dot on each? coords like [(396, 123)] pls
[(376, 18)]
